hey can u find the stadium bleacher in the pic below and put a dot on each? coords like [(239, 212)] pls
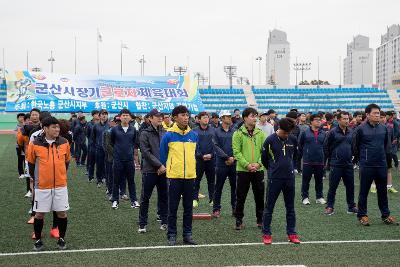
[(217, 99), (305, 99), (3, 95)]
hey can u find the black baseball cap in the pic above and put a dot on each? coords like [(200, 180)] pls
[(155, 112), (102, 111)]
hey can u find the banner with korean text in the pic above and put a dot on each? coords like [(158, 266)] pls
[(65, 93)]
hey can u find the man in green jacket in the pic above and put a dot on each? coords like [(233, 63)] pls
[(247, 144)]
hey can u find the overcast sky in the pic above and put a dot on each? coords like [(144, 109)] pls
[(187, 32)]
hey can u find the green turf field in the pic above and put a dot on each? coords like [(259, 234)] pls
[(93, 224)]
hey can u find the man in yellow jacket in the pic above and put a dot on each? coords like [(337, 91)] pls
[(177, 154)]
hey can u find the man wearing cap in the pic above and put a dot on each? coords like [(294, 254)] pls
[(272, 119), (215, 120), (97, 137), (266, 127), (153, 171), (226, 163), (205, 158)]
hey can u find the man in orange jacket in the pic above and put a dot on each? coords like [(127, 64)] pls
[(48, 158)]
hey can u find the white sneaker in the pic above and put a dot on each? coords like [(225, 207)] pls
[(135, 205), (142, 230), (28, 194), (22, 176), (320, 201), (114, 205), (163, 227), (306, 201)]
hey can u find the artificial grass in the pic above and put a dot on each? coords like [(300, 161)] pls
[(93, 224)]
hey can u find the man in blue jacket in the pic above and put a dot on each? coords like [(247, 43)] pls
[(226, 164), (278, 152), (177, 154), (310, 145), (337, 148), (97, 137), (91, 157), (370, 146), (123, 141), (205, 158)]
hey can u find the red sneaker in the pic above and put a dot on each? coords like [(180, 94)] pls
[(54, 233), (31, 220), (216, 214), (267, 239), (293, 239), (33, 236)]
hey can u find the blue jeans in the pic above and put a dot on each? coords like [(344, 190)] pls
[(149, 181), (222, 173), (367, 175), (124, 170), (207, 167), (176, 189), (274, 188), (347, 174), (308, 171)]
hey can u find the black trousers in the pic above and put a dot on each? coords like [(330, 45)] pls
[(21, 161), (244, 179)]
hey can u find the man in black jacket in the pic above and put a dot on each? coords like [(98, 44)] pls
[(337, 147), (80, 141), (153, 171), (370, 146)]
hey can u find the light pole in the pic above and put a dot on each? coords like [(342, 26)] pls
[(51, 60), (180, 70), (259, 59), (242, 80), (302, 67), (197, 76), (203, 80), (230, 73)]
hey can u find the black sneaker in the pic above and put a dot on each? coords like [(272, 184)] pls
[(239, 224), (171, 241), (188, 240), (61, 244), (38, 246), (158, 218)]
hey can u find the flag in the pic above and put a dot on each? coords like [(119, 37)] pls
[(99, 37)]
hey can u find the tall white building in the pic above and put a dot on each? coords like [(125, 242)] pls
[(278, 59), (358, 65), (388, 57)]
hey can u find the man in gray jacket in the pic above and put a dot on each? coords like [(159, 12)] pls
[(153, 171)]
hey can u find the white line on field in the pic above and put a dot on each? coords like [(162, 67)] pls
[(192, 246)]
